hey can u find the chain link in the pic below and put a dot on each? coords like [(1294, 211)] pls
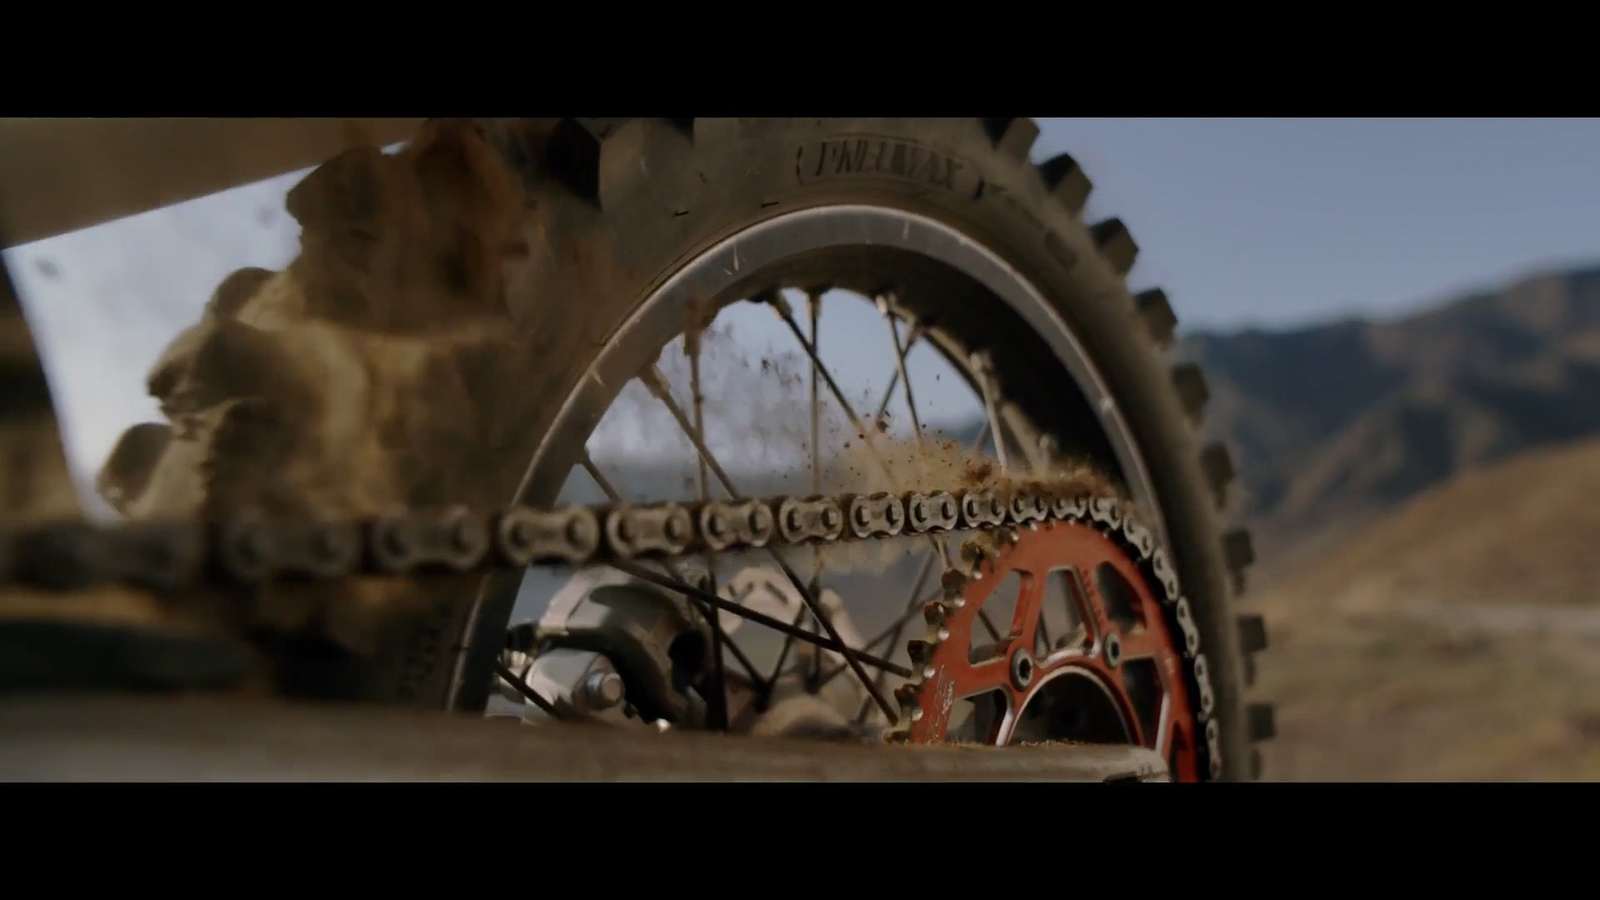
[(249, 548)]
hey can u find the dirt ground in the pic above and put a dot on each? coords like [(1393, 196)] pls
[(1446, 695), (1456, 640)]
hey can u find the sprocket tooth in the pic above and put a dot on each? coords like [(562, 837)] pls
[(977, 557), (1159, 319), (1115, 244), (1012, 137), (953, 582), (934, 614), (1066, 180), (907, 694), (920, 651)]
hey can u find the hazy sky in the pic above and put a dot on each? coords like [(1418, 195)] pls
[(1281, 221), (1273, 222)]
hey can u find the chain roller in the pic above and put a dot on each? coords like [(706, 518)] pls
[(251, 548)]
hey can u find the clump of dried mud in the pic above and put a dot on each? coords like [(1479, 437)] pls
[(338, 384), (372, 371)]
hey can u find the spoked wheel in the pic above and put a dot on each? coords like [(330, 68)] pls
[(639, 238)]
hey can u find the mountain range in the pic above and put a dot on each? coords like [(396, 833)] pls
[(1335, 424)]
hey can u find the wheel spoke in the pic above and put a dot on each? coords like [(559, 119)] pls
[(866, 431), (777, 302), (717, 634), (522, 687), (897, 628), (691, 349), (788, 646), (886, 307), (885, 303), (913, 335), (983, 371), (905, 617), (826, 643), (814, 307), (889, 633), (814, 304), (657, 386)]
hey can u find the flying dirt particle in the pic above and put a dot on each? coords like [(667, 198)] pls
[(47, 268), (978, 471)]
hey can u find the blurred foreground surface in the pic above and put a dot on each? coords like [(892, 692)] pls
[(98, 739)]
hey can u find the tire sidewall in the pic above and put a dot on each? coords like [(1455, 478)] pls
[(662, 196)]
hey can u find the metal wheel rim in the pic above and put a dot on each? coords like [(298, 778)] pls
[(740, 260)]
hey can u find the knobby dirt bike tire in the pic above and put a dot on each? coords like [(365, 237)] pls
[(616, 206)]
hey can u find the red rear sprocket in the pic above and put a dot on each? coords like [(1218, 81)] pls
[(1127, 669)]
